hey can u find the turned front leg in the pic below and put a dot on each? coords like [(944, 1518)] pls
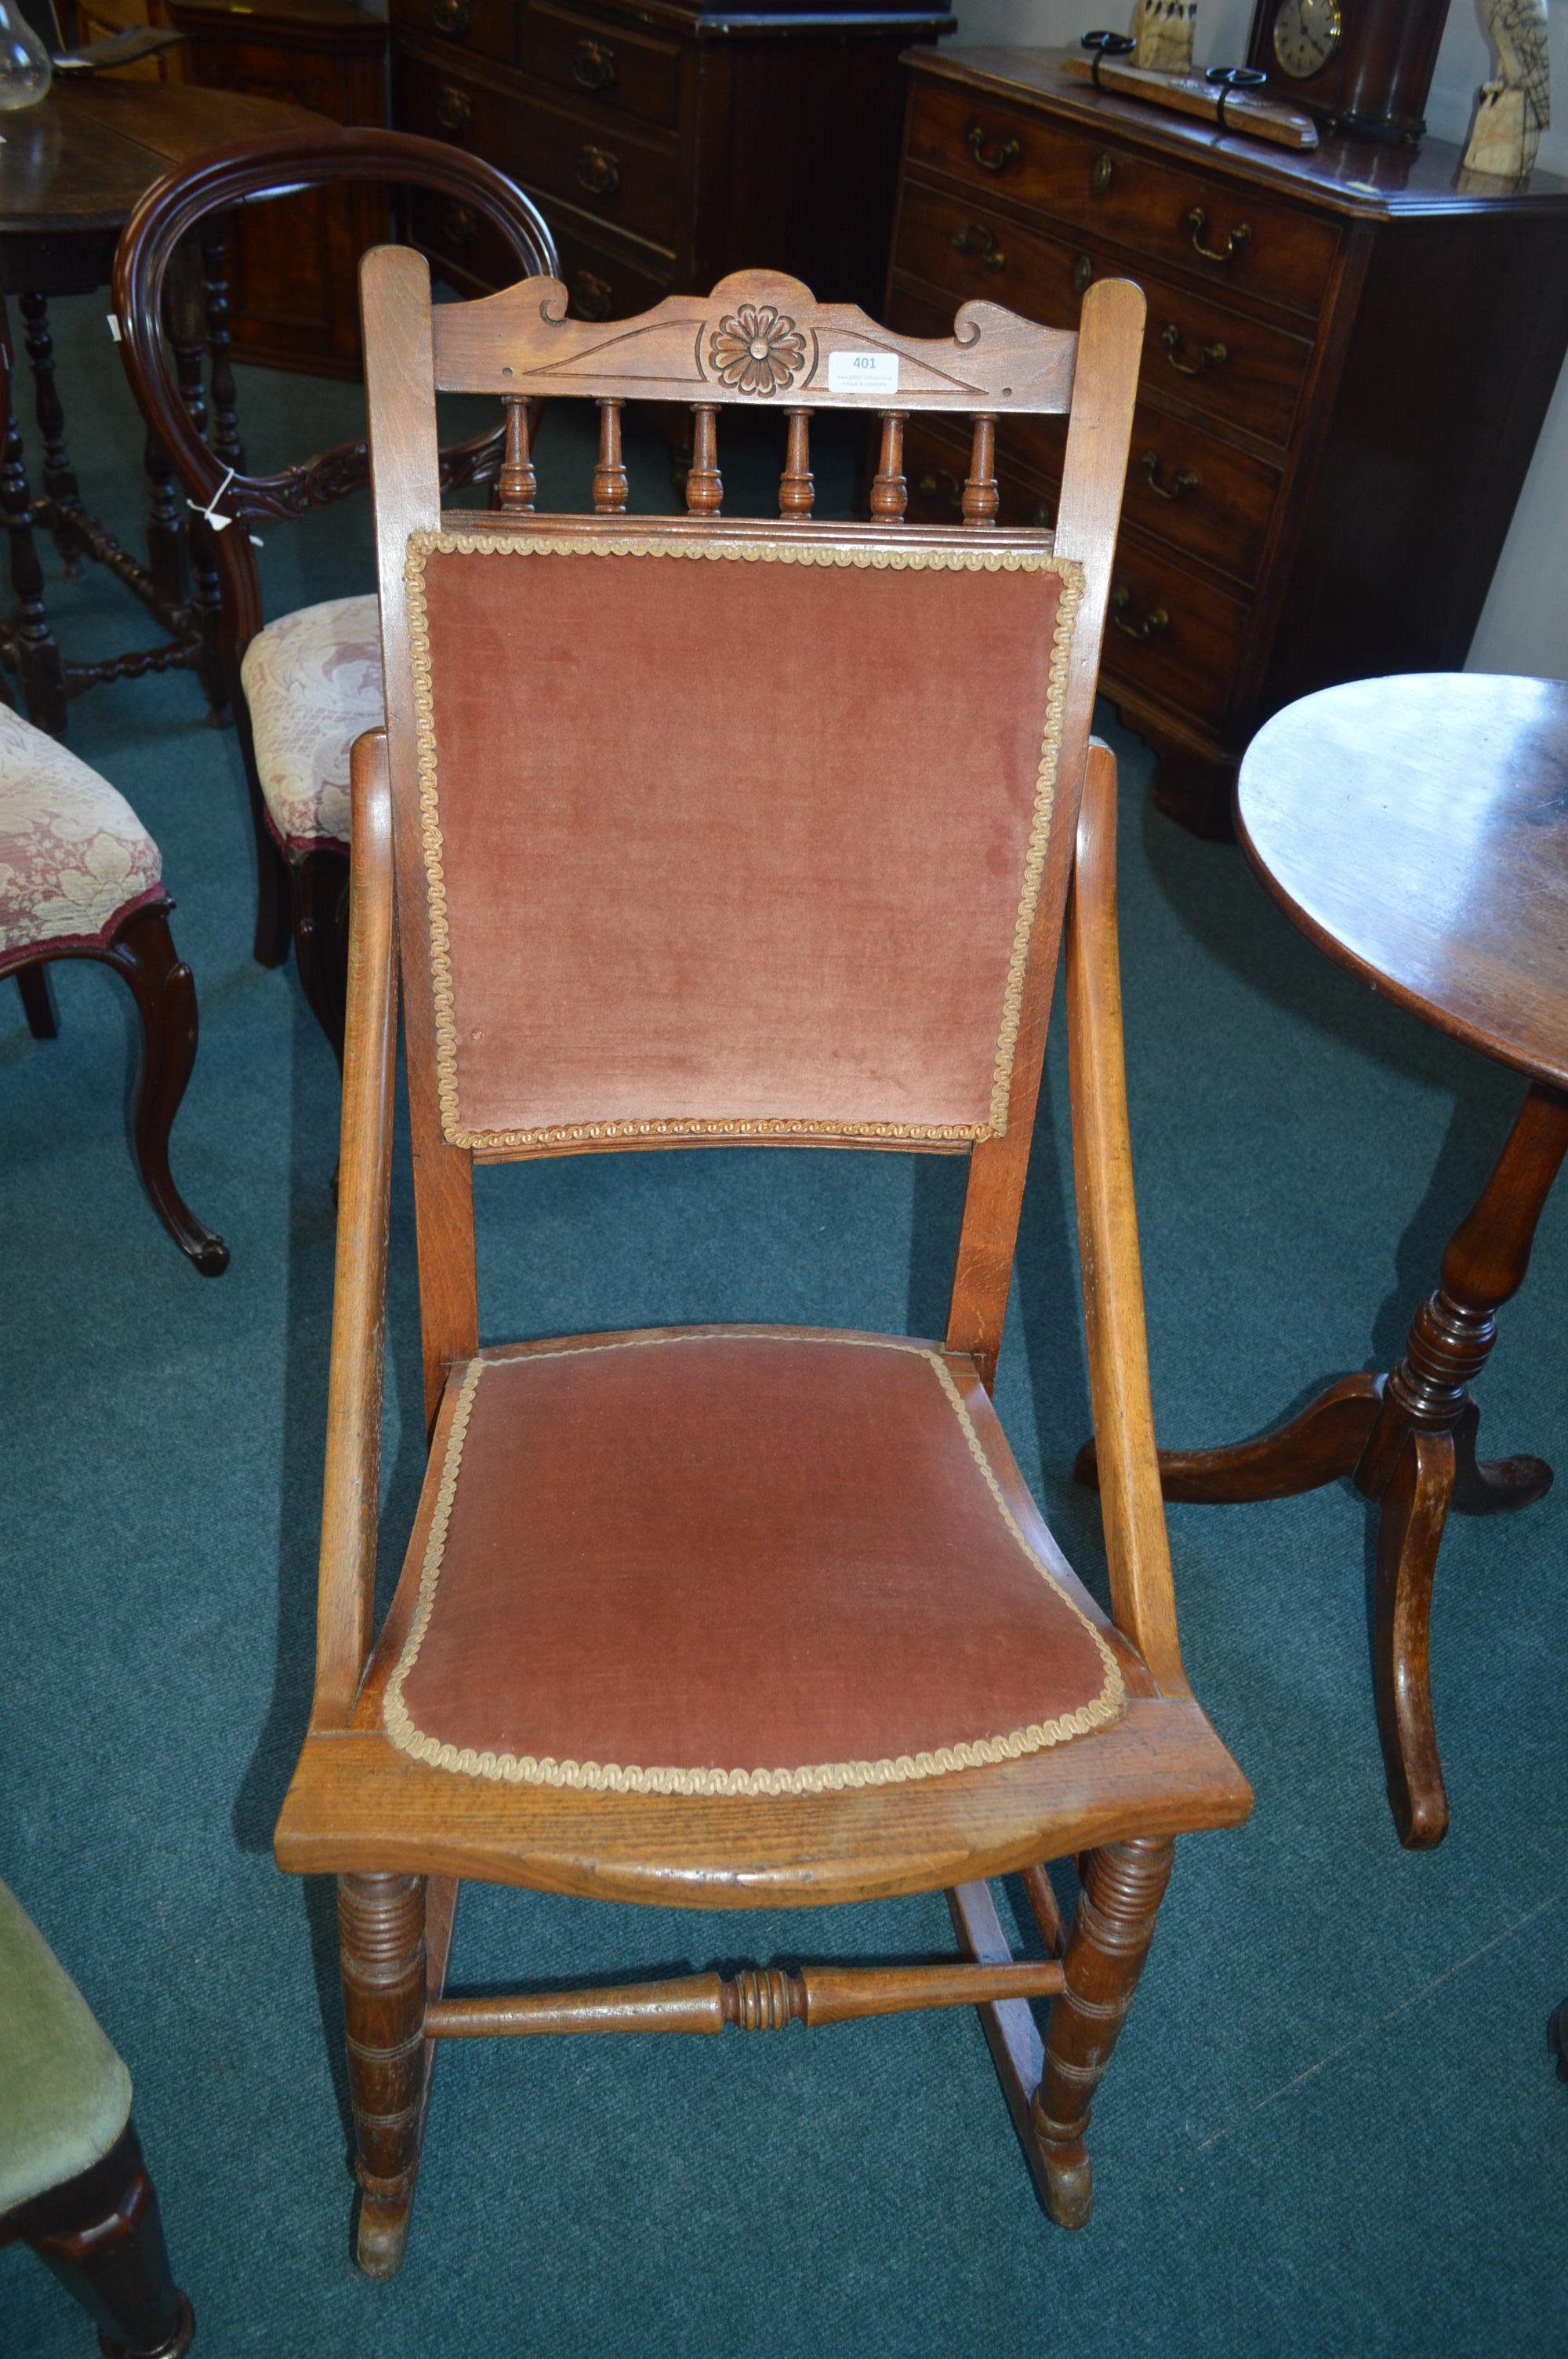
[(381, 1921), (1123, 1885)]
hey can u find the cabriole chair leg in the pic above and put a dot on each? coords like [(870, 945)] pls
[(143, 954), (318, 886), (38, 1002), (1123, 1885), (381, 1924)]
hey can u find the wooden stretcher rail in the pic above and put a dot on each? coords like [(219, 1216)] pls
[(759, 1999)]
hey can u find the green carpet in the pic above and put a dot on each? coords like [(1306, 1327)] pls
[(1331, 2127)]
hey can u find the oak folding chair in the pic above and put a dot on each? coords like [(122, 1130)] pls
[(701, 832)]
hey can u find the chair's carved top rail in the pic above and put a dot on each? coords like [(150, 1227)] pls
[(761, 340)]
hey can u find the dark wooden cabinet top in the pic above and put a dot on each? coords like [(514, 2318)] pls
[(1357, 177)]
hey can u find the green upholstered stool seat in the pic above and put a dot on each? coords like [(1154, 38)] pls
[(64, 2094)]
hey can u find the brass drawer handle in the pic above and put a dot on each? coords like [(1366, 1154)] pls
[(1004, 152), (458, 225), (453, 111), (1178, 486), (1101, 177), (598, 171), (593, 296), (1197, 222), (941, 483), (593, 66), (1083, 271), (1151, 625), (978, 243), (451, 17), (1211, 357)]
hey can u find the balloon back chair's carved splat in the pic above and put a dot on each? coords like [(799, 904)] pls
[(170, 294)]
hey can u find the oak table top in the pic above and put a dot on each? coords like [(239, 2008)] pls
[(72, 167), (1416, 830)]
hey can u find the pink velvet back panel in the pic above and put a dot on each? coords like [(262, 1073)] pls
[(715, 839)]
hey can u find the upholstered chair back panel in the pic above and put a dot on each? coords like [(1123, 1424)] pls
[(718, 833)]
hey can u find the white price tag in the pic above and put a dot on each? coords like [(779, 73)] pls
[(862, 371)]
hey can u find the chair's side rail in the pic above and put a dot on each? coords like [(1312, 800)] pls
[(350, 1500), (400, 400), (760, 341), (1100, 431), (1137, 1545)]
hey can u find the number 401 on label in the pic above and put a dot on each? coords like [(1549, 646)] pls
[(862, 371)]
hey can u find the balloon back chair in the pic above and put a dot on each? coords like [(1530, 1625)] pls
[(302, 688), (693, 833)]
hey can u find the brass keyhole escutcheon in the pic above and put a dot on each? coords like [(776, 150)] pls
[(1101, 177)]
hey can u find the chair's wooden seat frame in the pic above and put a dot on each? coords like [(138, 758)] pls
[(399, 1835)]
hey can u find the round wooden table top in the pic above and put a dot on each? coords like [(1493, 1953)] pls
[(72, 167), (1416, 829)]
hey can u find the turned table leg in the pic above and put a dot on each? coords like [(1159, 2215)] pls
[(62, 495), (29, 644), (1420, 1459), (1408, 1442)]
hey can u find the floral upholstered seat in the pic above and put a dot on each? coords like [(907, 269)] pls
[(75, 861), (312, 681), (81, 878)]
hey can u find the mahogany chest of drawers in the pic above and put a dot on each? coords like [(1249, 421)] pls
[(1349, 359), (668, 141)]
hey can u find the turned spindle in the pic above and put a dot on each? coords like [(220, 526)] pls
[(609, 475), (982, 498), (889, 492), (704, 484), (517, 483), (796, 490)]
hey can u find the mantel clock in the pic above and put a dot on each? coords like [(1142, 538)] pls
[(1360, 66)]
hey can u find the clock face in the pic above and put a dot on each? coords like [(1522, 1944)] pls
[(1306, 34)]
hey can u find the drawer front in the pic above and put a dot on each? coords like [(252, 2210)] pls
[(1249, 244), (593, 164), (621, 72), (1204, 497), (601, 283), (935, 467), (1188, 659), (1168, 635), (482, 27), (1232, 367)]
